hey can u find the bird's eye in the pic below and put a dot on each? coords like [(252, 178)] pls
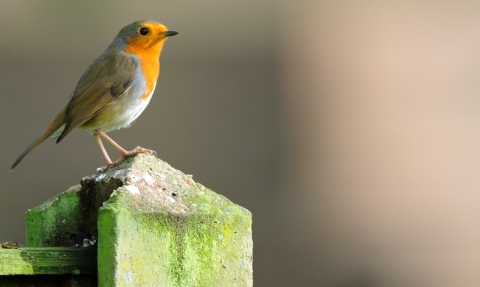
[(143, 31)]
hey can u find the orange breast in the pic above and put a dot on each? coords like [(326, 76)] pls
[(149, 56)]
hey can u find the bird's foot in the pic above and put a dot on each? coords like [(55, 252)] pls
[(133, 152), (138, 150)]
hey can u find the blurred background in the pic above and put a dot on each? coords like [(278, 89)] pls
[(350, 129)]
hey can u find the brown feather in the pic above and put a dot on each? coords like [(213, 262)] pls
[(92, 105), (108, 83), (56, 123)]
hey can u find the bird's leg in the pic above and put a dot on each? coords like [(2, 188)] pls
[(102, 148), (124, 152)]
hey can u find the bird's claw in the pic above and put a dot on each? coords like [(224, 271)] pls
[(133, 152), (138, 150)]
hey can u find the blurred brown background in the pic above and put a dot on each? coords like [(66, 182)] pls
[(350, 129)]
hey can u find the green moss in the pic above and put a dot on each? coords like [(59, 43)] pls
[(156, 227), (55, 222), (193, 249), (47, 260)]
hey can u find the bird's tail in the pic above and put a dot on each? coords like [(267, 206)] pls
[(56, 123)]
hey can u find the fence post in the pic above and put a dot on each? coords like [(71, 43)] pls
[(155, 227)]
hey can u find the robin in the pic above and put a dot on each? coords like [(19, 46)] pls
[(114, 90)]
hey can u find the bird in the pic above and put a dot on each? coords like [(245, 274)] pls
[(114, 90)]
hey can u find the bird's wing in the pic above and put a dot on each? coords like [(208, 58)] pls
[(107, 78)]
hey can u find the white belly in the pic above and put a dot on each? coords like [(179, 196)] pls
[(120, 113)]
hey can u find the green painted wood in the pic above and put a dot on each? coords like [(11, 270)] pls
[(51, 260)]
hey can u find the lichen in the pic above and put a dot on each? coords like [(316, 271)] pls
[(155, 226)]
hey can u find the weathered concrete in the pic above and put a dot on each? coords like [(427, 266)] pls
[(155, 227)]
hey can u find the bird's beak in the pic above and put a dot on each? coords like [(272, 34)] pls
[(170, 33)]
